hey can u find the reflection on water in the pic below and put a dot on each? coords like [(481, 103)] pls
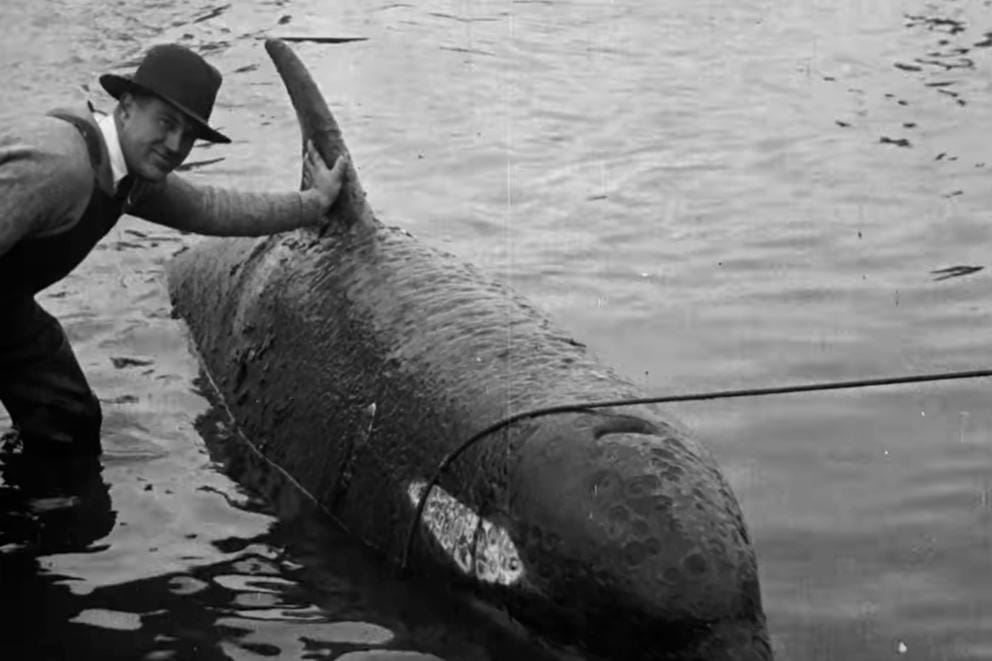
[(299, 590), (325, 558), (52, 506), (210, 613), (955, 271)]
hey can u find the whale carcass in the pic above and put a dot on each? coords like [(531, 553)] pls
[(357, 358)]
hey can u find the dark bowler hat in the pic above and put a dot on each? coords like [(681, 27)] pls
[(178, 76)]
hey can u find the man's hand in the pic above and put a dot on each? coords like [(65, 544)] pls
[(321, 179)]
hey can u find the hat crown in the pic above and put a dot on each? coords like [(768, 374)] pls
[(181, 77)]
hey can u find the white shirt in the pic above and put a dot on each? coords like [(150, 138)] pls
[(118, 166)]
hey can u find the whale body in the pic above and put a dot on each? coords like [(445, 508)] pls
[(356, 358)]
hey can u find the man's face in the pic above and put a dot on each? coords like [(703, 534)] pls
[(155, 137)]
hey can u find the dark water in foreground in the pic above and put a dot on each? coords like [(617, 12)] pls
[(709, 194)]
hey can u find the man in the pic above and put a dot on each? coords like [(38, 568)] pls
[(66, 178)]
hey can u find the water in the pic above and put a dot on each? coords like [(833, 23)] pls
[(711, 195)]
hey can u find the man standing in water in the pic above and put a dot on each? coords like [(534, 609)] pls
[(65, 179)]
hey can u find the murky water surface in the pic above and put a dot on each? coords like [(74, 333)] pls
[(710, 194)]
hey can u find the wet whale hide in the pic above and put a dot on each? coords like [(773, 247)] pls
[(358, 358)]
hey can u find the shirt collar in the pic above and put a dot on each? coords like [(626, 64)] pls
[(118, 166)]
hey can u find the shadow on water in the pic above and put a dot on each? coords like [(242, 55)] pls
[(301, 590)]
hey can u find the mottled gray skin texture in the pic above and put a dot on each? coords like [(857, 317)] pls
[(631, 540)]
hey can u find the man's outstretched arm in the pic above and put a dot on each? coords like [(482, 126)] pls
[(221, 212)]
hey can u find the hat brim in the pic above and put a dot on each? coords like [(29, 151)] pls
[(117, 85)]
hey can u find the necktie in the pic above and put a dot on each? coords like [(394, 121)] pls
[(124, 189)]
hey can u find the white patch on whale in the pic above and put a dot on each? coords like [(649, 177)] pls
[(478, 547)]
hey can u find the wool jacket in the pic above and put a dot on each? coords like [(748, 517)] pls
[(47, 180)]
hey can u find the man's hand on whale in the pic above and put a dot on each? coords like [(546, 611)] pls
[(320, 180)]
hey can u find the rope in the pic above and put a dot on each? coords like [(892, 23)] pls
[(582, 407)]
